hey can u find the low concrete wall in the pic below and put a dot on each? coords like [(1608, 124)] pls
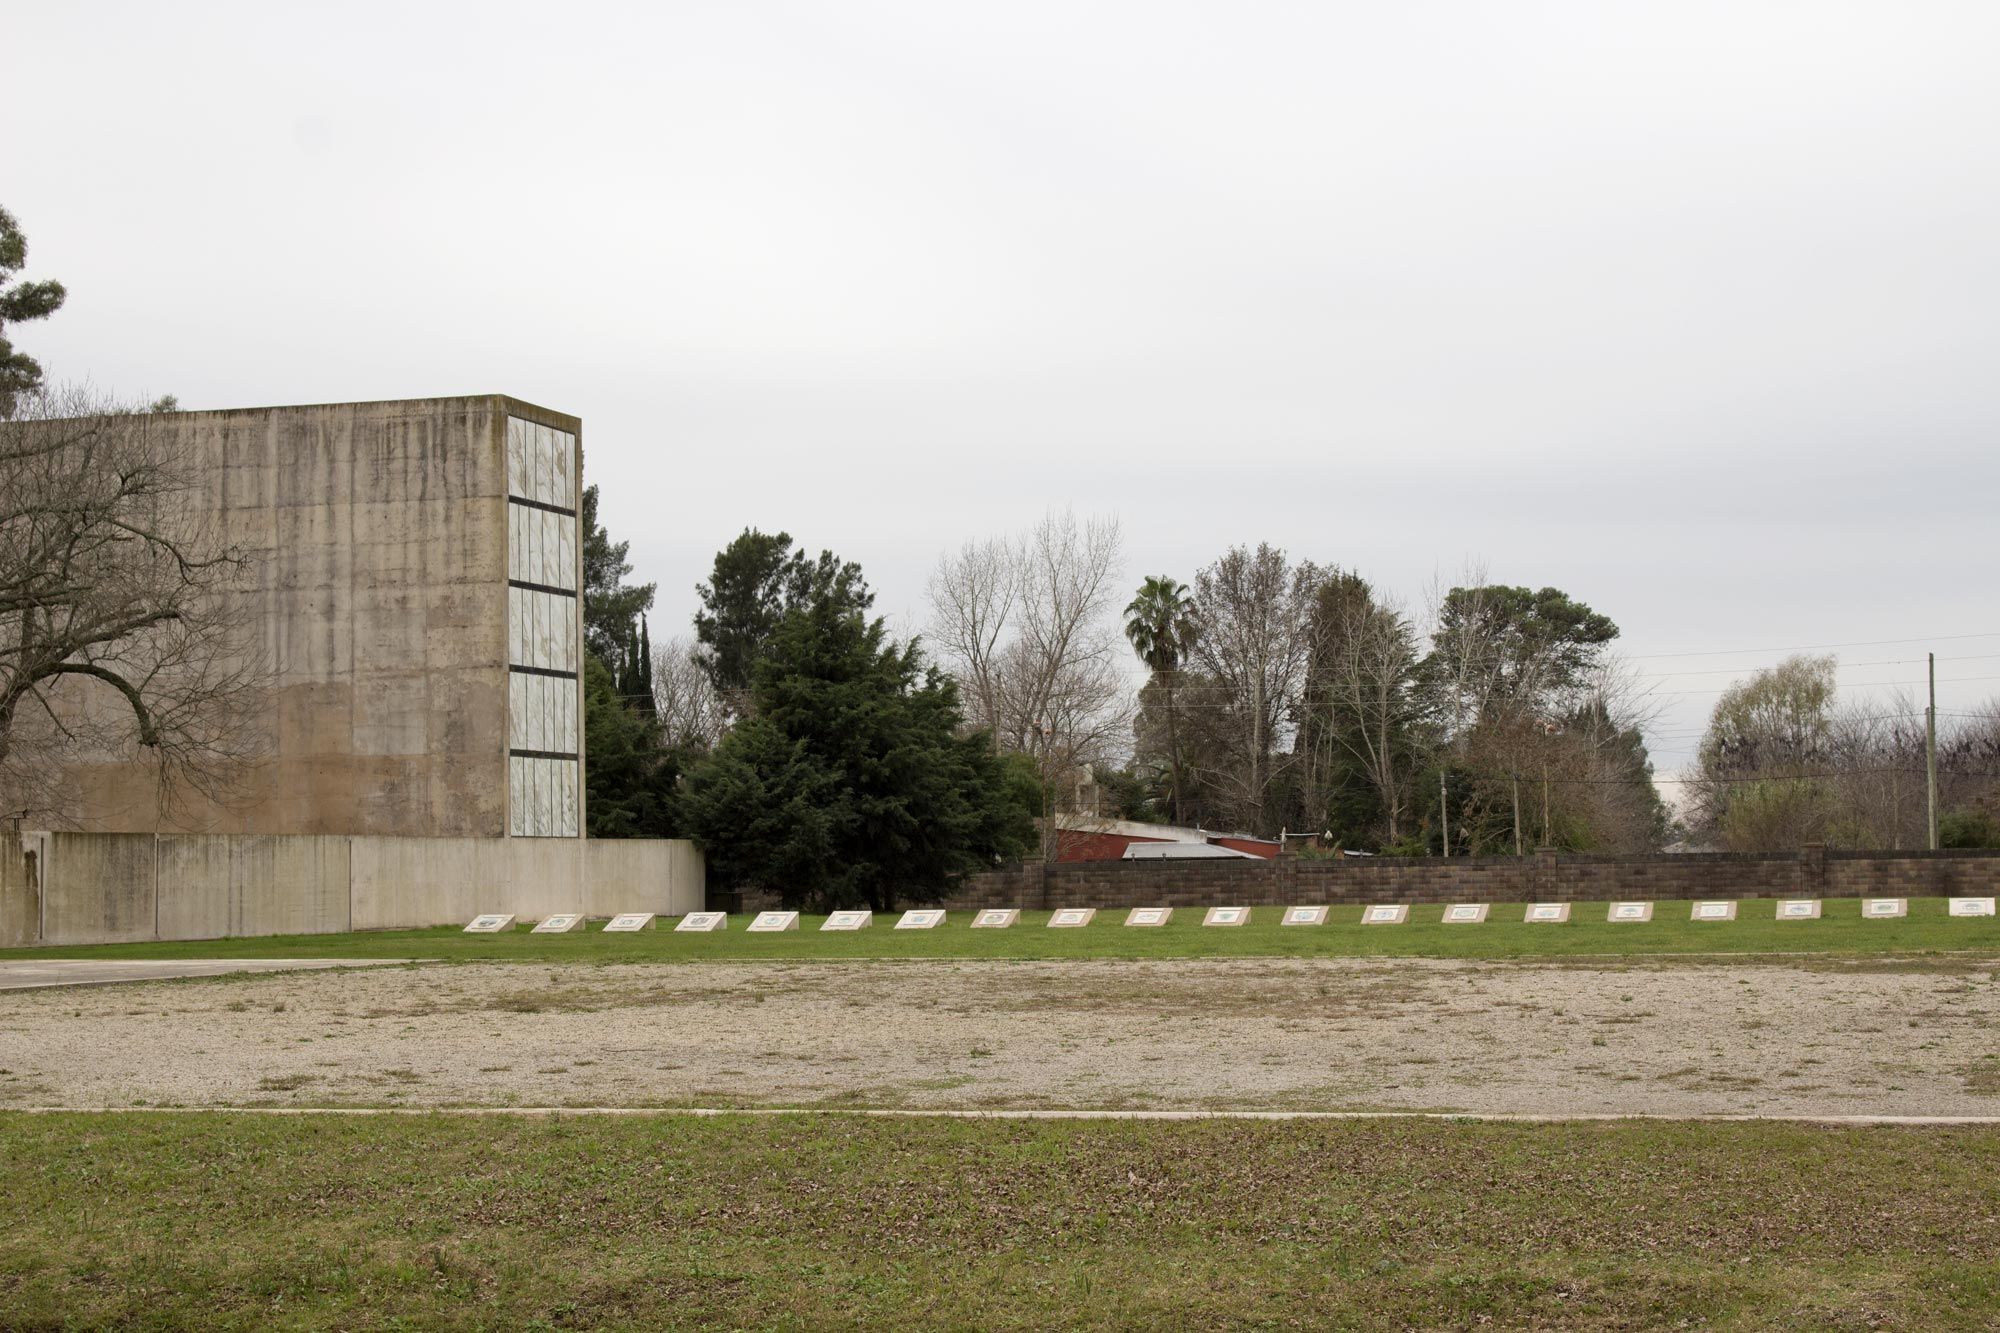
[(100, 888), (620, 871), (209, 886), (20, 893), (1812, 872)]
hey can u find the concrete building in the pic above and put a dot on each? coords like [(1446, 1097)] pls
[(412, 597)]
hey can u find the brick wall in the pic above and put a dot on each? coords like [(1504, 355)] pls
[(1812, 872)]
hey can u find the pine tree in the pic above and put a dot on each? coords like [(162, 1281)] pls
[(848, 783)]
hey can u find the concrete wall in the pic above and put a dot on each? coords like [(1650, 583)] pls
[(374, 602), (99, 888), (209, 886), (1543, 877), (20, 891), (624, 870)]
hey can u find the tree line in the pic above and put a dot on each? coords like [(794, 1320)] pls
[(1289, 697), (1785, 762)]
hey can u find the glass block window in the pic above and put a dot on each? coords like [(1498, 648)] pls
[(544, 633)]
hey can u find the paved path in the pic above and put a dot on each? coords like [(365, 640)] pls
[(37, 973)]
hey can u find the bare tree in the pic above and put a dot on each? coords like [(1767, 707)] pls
[(1029, 627), (972, 596), (691, 711), (1359, 700), (117, 638), (1255, 613)]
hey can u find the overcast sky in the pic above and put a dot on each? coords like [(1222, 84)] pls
[(1688, 309)]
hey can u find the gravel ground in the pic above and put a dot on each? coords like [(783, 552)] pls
[(1677, 1037)]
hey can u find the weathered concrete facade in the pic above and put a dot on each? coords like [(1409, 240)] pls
[(411, 589), (410, 604)]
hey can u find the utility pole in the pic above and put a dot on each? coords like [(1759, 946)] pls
[(1545, 802), (1444, 812), (1048, 733), (1549, 728), (1517, 815), (1930, 751)]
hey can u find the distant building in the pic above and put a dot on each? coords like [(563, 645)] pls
[(1086, 838), (1184, 851)]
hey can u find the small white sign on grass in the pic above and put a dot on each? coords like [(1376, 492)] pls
[(1069, 918), (702, 922), (1385, 914), (559, 924), (1556, 912), (629, 921), (1712, 911), (996, 918), (1630, 912), (1970, 907), (921, 918), (1227, 916), (1798, 909), (1149, 916), (848, 921), (490, 924), (1884, 909), (1305, 916), (1464, 914), (767, 921)]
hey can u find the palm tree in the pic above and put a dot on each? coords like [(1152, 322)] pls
[(1161, 625)]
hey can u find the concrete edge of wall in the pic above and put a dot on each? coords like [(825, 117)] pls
[(106, 888)]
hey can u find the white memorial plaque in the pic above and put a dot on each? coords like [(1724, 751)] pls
[(1067, 918), (1630, 912), (559, 924), (922, 918), (490, 924), (1713, 912), (1464, 914), (1304, 916), (1970, 907), (627, 921), (1149, 916), (702, 922), (1227, 916), (1798, 909), (1385, 914), (996, 918), (1882, 909), (774, 921), (1547, 912), (848, 921)]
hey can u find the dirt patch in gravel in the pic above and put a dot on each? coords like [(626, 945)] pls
[(1678, 1037)]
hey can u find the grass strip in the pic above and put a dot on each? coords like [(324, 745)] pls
[(1927, 929), (227, 1221)]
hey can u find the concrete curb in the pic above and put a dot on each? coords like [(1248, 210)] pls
[(1457, 1117)]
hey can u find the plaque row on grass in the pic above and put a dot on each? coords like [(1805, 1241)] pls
[(1378, 914)]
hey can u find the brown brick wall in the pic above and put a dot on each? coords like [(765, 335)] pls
[(1544, 877)]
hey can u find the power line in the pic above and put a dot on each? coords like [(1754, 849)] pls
[(1741, 670), (1817, 647)]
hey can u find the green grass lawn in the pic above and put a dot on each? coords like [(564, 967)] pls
[(1504, 935), (219, 1220)]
